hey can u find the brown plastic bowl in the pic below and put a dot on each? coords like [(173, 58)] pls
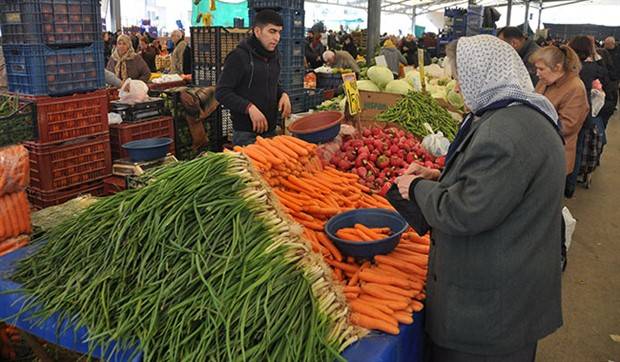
[(316, 122)]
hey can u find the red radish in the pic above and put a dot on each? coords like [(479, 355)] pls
[(366, 132), (383, 162), (410, 157), (372, 157)]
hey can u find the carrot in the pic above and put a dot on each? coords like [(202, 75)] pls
[(418, 248), (385, 230), (369, 232), (338, 275), (266, 143), (400, 264), (4, 230), (392, 304), (420, 296), (351, 296), (344, 266), (322, 211), (420, 260), (403, 317), (390, 270), (253, 153), (270, 157), (374, 277), (323, 239), (355, 278), (417, 305), (373, 323), (301, 143), (350, 236), (13, 244), (381, 293), (371, 311), (283, 147), (299, 150), (352, 289), (379, 306), (409, 293), (11, 213)]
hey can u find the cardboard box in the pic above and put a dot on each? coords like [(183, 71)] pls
[(374, 103)]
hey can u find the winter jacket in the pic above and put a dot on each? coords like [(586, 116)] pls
[(249, 78), (615, 58), (393, 58), (494, 275), (568, 96), (345, 60), (180, 60), (529, 47), (136, 68)]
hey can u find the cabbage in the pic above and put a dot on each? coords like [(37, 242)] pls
[(434, 82), (437, 91), (451, 84), (398, 86), (379, 75), (367, 85), (434, 71), (455, 99)]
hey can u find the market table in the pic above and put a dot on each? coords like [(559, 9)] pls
[(377, 347)]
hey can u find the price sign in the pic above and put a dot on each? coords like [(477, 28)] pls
[(352, 93)]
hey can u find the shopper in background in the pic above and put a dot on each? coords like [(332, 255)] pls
[(108, 46), (349, 46), (314, 49), (558, 70), (148, 53), (249, 85), (524, 46), (409, 47), (181, 57), (393, 57), (614, 51), (125, 63), (341, 59), (493, 286), (331, 40)]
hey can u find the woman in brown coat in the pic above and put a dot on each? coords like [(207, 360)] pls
[(125, 63), (558, 71)]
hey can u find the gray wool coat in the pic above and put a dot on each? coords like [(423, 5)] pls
[(494, 266)]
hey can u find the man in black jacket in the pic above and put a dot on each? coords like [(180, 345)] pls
[(249, 85)]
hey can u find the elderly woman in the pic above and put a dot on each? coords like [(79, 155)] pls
[(393, 57), (181, 58), (125, 63), (558, 72), (493, 287)]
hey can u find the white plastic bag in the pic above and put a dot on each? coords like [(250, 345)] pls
[(570, 223), (598, 101), (435, 143), (114, 118), (133, 91)]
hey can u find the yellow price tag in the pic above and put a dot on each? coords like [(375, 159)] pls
[(352, 93)]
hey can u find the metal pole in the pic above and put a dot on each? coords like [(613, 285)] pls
[(374, 28), (413, 20), (115, 12), (540, 9), (509, 13), (526, 23)]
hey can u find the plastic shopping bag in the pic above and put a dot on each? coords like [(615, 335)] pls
[(133, 91), (435, 143), (570, 223), (598, 101)]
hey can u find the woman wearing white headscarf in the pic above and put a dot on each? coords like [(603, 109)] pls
[(125, 63), (493, 285)]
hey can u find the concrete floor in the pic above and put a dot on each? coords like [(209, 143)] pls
[(591, 283)]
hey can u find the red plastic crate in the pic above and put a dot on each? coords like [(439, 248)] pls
[(42, 199), (133, 131), (57, 167), (114, 184), (62, 119)]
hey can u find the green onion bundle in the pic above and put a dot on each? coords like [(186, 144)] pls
[(196, 266)]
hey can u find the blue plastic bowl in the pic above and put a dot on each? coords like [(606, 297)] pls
[(318, 127), (147, 149), (373, 218)]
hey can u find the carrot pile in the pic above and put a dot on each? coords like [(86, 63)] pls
[(381, 294), (15, 222), (361, 233)]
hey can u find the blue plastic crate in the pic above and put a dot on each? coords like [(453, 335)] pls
[(276, 4), (291, 48), (292, 62), (314, 97), (41, 70), (52, 22), (293, 20), (297, 96), (292, 77), (328, 81)]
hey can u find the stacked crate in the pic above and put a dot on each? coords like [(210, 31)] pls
[(291, 46), (210, 45), (54, 59)]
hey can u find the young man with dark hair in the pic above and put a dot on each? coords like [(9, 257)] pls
[(249, 85), (524, 46)]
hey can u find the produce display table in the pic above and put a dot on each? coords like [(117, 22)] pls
[(377, 347)]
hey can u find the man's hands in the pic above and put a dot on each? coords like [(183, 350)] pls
[(284, 106), (259, 121), (424, 172)]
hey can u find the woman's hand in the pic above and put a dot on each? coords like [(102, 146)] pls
[(424, 172), (403, 183)]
